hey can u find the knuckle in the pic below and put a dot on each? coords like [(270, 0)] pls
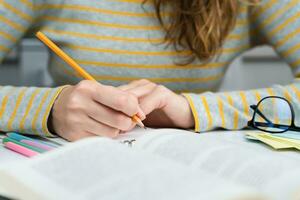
[(121, 101), (144, 81), (134, 82), (73, 99), (152, 84), (84, 86), (164, 92), (74, 103), (161, 88)]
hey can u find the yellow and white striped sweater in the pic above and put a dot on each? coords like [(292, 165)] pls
[(118, 41)]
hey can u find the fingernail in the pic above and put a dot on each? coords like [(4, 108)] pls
[(141, 114)]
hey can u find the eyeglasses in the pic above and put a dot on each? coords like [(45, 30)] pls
[(273, 114)]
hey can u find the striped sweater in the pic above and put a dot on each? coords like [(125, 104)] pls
[(118, 41)]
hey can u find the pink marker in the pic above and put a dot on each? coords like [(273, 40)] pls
[(37, 144), (20, 149)]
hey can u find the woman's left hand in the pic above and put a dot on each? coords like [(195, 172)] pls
[(162, 107)]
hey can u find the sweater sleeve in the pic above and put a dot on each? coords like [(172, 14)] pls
[(22, 109), (278, 22)]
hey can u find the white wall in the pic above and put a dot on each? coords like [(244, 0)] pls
[(257, 68)]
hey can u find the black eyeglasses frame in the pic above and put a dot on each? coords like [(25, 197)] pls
[(255, 125)]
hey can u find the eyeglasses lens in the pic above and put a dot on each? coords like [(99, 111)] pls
[(273, 114)]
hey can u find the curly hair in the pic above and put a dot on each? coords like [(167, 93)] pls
[(200, 26)]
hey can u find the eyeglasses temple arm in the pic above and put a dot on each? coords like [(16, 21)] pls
[(294, 128), (254, 107), (280, 126)]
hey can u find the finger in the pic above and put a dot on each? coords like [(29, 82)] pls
[(118, 100), (109, 116), (154, 100), (142, 90), (97, 128), (134, 84), (80, 135), (126, 87), (130, 128), (141, 114)]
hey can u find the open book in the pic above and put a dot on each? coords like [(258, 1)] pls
[(157, 164)]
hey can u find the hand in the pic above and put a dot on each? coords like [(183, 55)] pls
[(162, 107), (90, 108)]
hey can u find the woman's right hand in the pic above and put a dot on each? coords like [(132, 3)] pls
[(90, 108)]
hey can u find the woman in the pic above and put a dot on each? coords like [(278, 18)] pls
[(155, 58)]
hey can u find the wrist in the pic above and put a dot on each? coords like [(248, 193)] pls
[(181, 113), (50, 124), (189, 113), (51, 118)]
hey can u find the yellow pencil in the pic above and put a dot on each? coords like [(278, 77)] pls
[(74, 65)]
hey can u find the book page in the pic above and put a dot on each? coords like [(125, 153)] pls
[(285, 186), (99, 168), (225, 154)]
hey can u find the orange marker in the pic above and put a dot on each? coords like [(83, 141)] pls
[(74, 65)]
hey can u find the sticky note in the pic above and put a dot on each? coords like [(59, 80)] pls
[(290, 135), (274, 141)]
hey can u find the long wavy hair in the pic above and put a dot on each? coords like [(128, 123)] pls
[(200, 26)]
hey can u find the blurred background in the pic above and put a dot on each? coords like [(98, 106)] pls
[(261, 67)]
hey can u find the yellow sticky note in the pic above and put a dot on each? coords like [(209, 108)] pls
[(269, 140), (294, 143)]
